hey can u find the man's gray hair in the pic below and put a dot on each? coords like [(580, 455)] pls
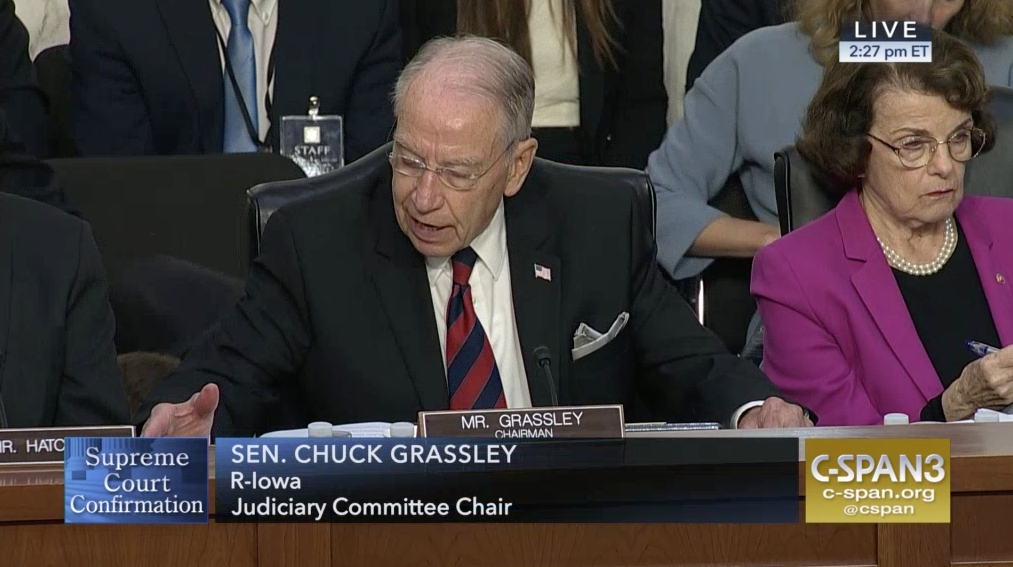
[(486, 68)]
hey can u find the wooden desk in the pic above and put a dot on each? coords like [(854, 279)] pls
[(31, 532)]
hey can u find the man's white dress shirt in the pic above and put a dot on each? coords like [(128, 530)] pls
[(493, 299)]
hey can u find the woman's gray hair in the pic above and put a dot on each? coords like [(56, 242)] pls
[(486, 68)]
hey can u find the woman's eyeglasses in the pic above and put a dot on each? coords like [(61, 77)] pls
[(917, 151)]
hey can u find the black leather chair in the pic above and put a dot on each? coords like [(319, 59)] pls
[(720, 295), (172, 236), (802, 195), (186, 207), (263, 200), (266, 198), (727, 306)]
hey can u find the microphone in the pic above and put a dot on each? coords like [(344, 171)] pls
[(544, 359)]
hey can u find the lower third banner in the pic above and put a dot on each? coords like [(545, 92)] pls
[(425, 480), (130, 480)]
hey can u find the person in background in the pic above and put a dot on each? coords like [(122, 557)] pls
[(464, 246), (150, 76), (748, 105), (722, 22), (20, 96), (56, 324), (869, 309), (59, 360), (47, 22), (600, 95)]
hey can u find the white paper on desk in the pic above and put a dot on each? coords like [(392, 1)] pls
[(369, 429)]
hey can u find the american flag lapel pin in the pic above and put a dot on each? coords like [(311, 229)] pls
[(541, 272)]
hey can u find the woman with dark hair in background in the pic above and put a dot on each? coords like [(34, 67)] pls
[(600, 96)]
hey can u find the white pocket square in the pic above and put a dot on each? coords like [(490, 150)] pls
[(586, 340)]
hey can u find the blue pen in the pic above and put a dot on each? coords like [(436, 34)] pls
[(981, 349)]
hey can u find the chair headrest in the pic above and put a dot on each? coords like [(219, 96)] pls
[(802, 196), (636, 179), (265, 199)]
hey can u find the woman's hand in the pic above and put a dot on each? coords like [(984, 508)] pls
[(984, 383)]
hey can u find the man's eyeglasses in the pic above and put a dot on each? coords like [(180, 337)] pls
[(917, 151), (457, 178)]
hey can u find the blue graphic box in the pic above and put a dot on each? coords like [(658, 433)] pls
[(124, 480)]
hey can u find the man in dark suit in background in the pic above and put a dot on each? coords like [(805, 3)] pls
[(150, 75), (20, 95), (56, 325), (724, 21), (58, 361), (428, 285)]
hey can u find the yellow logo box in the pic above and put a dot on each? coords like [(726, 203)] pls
[(876, 481)]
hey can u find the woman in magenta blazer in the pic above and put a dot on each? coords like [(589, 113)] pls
[(868, 309)]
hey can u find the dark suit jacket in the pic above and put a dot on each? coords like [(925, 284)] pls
[(148, 76), (622, 113), (27, 176), (337, 320), (56, 326), (20, 94), (724, 21)]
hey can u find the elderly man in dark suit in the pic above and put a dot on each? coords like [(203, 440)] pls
[(429, 284)]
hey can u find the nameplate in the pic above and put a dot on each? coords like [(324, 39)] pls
[(44, 445), (578, 422)]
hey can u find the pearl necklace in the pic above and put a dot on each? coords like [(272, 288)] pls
[(949, 245)]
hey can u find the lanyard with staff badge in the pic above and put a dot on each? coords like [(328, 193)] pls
[(315, 142)]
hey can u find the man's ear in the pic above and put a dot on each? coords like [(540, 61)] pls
[(520, 164)]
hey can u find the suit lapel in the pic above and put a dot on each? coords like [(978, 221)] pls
[(399, 274), (192, 33), (878, 288), (536, 299), (992, 271), (875, 283), (296, 42)]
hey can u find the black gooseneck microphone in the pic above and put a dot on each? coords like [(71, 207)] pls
[(544, 359)]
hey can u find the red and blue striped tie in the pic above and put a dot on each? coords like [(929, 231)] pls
[(472, 375)]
